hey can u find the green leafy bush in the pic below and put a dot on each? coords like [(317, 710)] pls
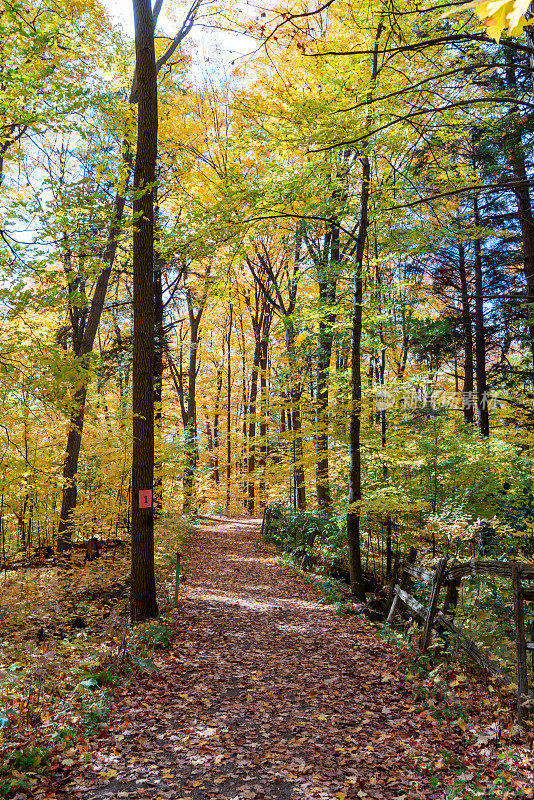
[(317, 535), (152, 636)]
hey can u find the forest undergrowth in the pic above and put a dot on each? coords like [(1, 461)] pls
[(66, 640), (253, 688)]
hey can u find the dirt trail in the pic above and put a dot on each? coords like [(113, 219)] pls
[(265, 693)]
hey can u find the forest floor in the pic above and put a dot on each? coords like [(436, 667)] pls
[(265, 693)]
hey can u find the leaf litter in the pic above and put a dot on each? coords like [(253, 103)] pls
[(266, 693)]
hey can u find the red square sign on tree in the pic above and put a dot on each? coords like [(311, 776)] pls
[(145, 498)]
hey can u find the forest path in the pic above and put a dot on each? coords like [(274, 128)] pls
[(265, 693)]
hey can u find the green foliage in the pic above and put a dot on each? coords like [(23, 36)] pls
[(330, 592), (152, 636), (97, 679), (4, 614), (65, 734), (143, 664), (514, 506), (312, 533), (345, 609), (94, 713), (15, 774), (31, 759)]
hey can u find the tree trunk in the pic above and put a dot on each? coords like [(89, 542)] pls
[(327, 297), (244, 448), (216, 425), (191, 426), (70, 470), (480, 335), (468, 386), (251, 461), (143, 602), (522, 192), (355, 470), (159, 348), (298, 455), (70, 466), (296, 424), (228, 410), (262, 460), (355, 477), (74, 438)]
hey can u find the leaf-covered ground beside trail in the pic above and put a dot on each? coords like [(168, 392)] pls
[(58, 627), (266, 693)]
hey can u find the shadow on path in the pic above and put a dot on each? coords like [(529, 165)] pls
[(265, 693)]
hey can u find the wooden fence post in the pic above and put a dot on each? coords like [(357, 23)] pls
[(449, 606), (437, 583), (520, 644), (403, 583), (265, 522), (451, 597)]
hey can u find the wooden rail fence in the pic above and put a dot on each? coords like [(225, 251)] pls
[(449, 577)]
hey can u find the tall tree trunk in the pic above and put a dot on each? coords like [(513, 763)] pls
[(244, 447), (70, 471), (190, 416), (251, 461), (74, 438), (216, 425), (299, 485), (191, 426), (327, 298), (262, 460), (143, 602), (480, 335), (209, 436), (468, 386), (159, 348), (355, 465), (525, 216), (228, 411), (298, 455), (355, 474)]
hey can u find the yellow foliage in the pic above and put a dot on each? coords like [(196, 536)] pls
[(500, 15)]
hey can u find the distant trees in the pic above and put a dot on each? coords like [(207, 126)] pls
[(342, 271)]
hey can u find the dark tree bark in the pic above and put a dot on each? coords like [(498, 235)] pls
[(159, 349), (298, 455), (355, 466), (243, 460), (216, 423), (74, 439), (143, 602), (251, 437), (328, 260), (326, 280), (468, 385), (355, 474), (191, 425), (228, 410), (261, 314), (263, 448), (299, 480), (525, 216), (190, 431), (83, 346), (269, 279), (480, 335)]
